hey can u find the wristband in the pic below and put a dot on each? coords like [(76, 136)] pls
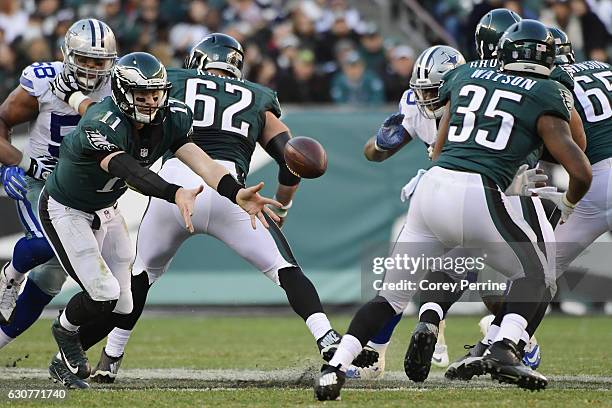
[(567, 202), (76, 99), (229, 187), (170, 193)]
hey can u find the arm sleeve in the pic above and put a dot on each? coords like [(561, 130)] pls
[(140, 178)]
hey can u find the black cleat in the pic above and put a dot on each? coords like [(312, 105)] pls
[(107, 368), (59, 372), (469, 365), (71, 350), (368, 357), (328, 344), (503, 362), (327, 387), (418, 356)]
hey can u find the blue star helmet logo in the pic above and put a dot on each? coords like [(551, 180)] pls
[(451, 59)]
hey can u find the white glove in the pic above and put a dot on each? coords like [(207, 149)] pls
[(524, 180), (561, 201), (430, 150)]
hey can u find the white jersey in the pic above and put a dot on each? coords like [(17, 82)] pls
[(55, 117), (417, 125)]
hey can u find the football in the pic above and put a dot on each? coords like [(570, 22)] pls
[(305, 157)]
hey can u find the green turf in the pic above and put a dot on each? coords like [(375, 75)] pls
[(571, 346)]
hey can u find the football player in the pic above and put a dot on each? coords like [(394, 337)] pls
[(112, 147), (231, 115), (460, 200), (89, 54)]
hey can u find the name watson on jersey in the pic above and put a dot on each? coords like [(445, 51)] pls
[(426, 285)]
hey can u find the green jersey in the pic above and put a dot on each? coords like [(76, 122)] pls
[(493, 124), (593, 97), (79, 182), (229, 114)]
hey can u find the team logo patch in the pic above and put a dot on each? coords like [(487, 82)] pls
[(568, 99), (98, 141)]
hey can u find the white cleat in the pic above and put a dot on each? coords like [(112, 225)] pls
[(9, 290), (440, 356)]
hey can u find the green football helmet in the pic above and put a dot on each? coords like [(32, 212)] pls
[(527, 46), (217, 51), (136, 72), (565, 52), (490, 29)]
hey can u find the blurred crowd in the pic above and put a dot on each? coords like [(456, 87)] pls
[(309, 51)]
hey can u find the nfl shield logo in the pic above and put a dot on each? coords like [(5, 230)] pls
[(144, 152)]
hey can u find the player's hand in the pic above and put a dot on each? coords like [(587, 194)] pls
[(280, 212), (391, 134), (561, 201), (14, 182), (64, 86), (185, 201), (526, 179), (41, 167), (255, 205)]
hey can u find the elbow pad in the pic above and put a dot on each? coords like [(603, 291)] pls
[(140, 178), (276, 149)]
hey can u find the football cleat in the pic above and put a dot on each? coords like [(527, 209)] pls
[(440, 356), (9, 290), (59, 372), (328, 385), (531, 354), (469, 365), (107, 368), (328, 344), (367, 368), (503, 361), (71, 350), (417, 361)]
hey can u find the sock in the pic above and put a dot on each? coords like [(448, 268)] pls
[(512, 328), (300, 291), (28, 309), (525, 337), (349, 348), (491, 334), (384, 335), (66, 324), (94, 331), (431, 312), (318, 324), (116, 341), (4, 338), (521, 345), (11, 273), (441, 340)]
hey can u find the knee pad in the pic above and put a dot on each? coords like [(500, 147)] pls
[(29, 253), (103, 288), (49, 277)]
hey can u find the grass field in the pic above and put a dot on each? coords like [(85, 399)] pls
[(270, 361)]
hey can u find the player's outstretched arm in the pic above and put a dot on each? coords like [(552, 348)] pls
[(273, 139), (389, 139), (217, 177), (557, 137), (122, 165)]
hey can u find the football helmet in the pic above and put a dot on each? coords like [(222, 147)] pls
[(135, 74), (217, 51), (565, 52), (527, 46), (90, 52), (427, 74), (490, 28)]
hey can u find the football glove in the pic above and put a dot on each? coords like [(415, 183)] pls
[(561, 201), (391, 134), (526, 179), (281, 212), (64, 86), (14, 182), (40, 167)]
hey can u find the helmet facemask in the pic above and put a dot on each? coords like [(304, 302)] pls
[(427, 98), (146, 103), (91, 72)]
